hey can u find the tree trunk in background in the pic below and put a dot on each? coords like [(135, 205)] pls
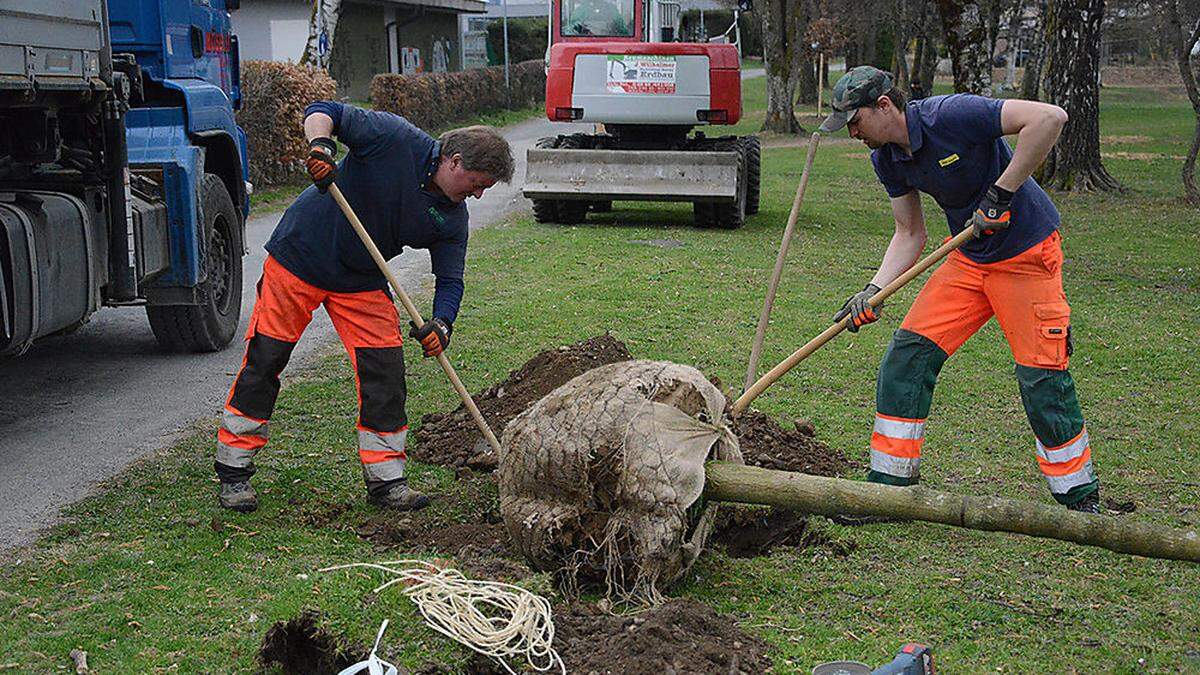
[(965, 25), (901, 35), (331, 11), (925, 54), (1184, 43), (1031, 81), (807, 83), (1072, 83), (782, 35)]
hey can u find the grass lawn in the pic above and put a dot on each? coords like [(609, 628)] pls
[(151, 575)]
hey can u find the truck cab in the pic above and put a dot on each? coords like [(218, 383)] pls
[(123, 174)]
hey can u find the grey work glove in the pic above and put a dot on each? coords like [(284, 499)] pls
[(860, 312)]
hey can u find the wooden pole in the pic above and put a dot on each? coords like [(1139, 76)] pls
[(833, 496), (413, 313), (820, 83), (761, 332), (829, 333)]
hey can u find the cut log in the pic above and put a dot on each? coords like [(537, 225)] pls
[(729, 482)]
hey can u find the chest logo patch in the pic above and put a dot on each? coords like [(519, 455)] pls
[(947, 161), (437, 216)]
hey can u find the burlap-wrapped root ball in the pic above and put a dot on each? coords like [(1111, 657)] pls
[(602, 478)]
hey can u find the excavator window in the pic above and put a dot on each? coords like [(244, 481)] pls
[(600, 18)]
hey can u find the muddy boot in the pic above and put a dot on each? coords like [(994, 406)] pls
[(396, 495), (238, 496), (1089, 504)]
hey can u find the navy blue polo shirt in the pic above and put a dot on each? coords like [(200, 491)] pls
[(958, 152), (383, 177)]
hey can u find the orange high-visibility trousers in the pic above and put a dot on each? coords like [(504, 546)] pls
[(1025, 294), (368, 325)]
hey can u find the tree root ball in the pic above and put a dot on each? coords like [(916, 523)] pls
[(601, 480)]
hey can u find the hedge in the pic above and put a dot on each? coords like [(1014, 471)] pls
[(435, 101), (274, 96)]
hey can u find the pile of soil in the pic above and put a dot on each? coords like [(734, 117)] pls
[(680, 636), (765, 443), (455, 436)]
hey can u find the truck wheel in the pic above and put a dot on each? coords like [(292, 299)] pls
[(731, 216), (602, 207), (572, 211), (702, 214), (753, 153), (210, 326), (546, 210)]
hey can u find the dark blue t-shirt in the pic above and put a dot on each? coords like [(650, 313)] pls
[(958, 152), (383, 177)]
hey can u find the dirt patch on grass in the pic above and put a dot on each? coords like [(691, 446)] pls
[(461, 524), (454, 434), (302, 646)]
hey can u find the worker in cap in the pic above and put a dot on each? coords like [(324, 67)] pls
[(952, 148), (410, 190)]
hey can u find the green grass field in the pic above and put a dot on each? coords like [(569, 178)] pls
[(151, 576)]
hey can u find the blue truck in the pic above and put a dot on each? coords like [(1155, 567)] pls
[(123, 173)]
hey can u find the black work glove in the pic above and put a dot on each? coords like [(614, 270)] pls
[(993, 213), (434, 335), (860, 312), (321, 167)]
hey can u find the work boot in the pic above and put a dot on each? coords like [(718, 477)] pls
[(1089, 504), (238, 496), (398, 496)]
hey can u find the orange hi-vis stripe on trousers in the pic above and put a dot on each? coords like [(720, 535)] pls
[(1068, 465), (369, 326), (896, 445)]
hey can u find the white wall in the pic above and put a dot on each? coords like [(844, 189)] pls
[(272, 30)]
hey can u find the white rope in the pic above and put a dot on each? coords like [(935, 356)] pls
[(498, 620)]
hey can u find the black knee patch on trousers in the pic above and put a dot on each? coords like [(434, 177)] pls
[(257, 386), (382, 388)]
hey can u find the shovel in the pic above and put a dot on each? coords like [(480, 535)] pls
[(414, 315), (829, 333)]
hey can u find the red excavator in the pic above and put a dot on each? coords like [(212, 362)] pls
[(616, 64)]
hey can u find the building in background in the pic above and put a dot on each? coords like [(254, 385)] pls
[(372, 36), (474, 27)]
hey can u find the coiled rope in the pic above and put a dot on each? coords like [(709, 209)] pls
[(495, 619)]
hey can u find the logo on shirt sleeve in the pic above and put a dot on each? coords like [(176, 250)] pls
[(437, 216), (947, 161)]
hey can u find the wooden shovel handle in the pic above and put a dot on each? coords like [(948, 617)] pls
[(772, 287), (413, 314), (829, 333)]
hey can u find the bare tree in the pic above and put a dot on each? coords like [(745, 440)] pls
[(1073, 83), (970, 36), (783, 44), (1185, 42), (324, 15)]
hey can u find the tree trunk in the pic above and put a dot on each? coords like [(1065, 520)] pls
[(925, 54), (331, 11), (729, 482), (782, 36), (1184, 43), (965, 25), (1032, 78), (1072, 82), (901, 35), (807, 81)]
